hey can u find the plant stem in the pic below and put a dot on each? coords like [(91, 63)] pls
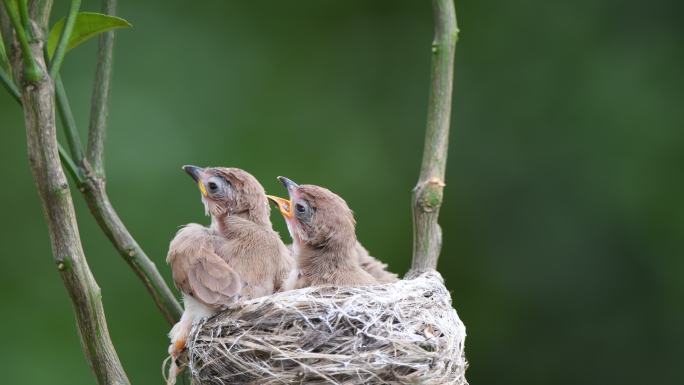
[(51, 183), (100, 98), (428, 193), (24, 16), (9, 85), (31, 71), (39, 12), (63, 42), (93, 188), (91, 181), (70, 165), (100, 206), (3, 53), (68, 121)]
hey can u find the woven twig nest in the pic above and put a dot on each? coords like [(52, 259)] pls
[(401, 333)]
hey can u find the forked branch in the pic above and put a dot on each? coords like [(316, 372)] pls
[(92, 169), (427, 195), (88, 170), (89, 175), (53, 189)]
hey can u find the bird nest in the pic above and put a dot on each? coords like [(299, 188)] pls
[(400, 333)]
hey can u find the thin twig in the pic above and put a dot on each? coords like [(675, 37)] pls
[(93, 188), (98, 202), (91, 182), (4, 63), (101, 208), (9, 85), (23, 14), (63, 42), (68, 121), (427, 195), (31, 72), (71, 166), (53, 189), (100, 98), (5, 32)]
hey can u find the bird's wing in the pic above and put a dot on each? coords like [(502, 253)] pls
[(373, 266), (197, 269)]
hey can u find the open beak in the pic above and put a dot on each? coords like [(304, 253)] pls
[(283, 204), (196, 174), (289, 184)]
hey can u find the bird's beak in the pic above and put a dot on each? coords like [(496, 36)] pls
[(196, 174), (283, 204), (289, 184)]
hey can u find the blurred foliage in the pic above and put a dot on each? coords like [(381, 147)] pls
[(563, 214)]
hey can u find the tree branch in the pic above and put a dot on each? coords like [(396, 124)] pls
[(60, 51), (70, 165), (39, 12), (91, 181), (95, 195), (53, 189), (31, 71), (67, 118), (100, 98), (427, 195)]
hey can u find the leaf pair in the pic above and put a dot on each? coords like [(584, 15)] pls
[(87, 25)]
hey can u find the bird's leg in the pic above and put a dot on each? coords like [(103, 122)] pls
[(179, 336)]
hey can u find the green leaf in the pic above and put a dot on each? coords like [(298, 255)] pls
[(87, 25)]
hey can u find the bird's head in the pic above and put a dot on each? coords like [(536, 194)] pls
[(230, 191), (315, 216)]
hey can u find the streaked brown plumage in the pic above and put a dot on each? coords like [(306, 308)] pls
[(324, 239), (238, 257)]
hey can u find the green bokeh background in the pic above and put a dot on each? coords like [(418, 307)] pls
[(563, 214)]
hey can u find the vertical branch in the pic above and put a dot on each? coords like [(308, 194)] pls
[(91, 184), (100, 97), (67, 118), (427, 195), (39, 12), (94, 190), (31, 71), (51, 183), (63, 42)]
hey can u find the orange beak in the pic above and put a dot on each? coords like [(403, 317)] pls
[(283, 204)]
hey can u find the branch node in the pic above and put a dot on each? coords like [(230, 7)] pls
[(429, 194), (62, 190), (63, 263)]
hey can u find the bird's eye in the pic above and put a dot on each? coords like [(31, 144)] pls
[(300, 208), (213, 186)]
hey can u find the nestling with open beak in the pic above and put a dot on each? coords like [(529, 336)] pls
[(324, 239), (239, 257)]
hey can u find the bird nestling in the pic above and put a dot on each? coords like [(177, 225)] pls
[(324, 239), (239, 257)]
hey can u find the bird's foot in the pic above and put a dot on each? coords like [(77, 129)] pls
[(177, 347)]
